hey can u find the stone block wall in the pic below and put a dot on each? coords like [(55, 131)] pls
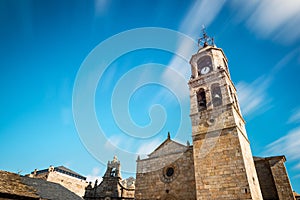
[(273, 178), (71, 183), (155, 185), (220, 170), (75, 185)]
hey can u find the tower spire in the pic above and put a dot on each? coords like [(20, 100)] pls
[(205, 40)]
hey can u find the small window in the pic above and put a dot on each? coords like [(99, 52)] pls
[(170, 171), (201, 100)]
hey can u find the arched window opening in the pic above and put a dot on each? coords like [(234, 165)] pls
[(201, 99), (113, 172), (216, 95)]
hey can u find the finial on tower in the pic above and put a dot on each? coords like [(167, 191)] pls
[(169, 137), (205, 40)]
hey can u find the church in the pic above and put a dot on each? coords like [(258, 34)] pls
[(219, 164)]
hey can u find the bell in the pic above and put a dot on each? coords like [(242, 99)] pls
[(217, 97), (202, 103)]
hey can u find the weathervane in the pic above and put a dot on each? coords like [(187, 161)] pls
[(205, 40)]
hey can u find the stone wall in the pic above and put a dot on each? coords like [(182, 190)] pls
[(220, 170), (155, 184), (71, 183), (273, 178), (75, 185)]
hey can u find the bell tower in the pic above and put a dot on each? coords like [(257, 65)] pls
[(224, 166)]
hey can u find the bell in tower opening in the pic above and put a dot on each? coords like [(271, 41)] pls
[(201, 99), (216, 95)]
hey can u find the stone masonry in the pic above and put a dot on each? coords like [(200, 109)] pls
[(273, 178), (168, 173)]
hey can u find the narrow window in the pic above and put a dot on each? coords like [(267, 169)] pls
[(216, 95), (201, 99)]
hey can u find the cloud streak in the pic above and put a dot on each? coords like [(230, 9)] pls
[(287, 145), (253, 97), (147, 148), (95, 175), (201, 13), (274, 19), (295, 118), (101, 6)]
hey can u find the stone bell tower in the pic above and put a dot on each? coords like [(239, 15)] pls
[(224, 167)]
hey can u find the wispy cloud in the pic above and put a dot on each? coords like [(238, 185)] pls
[(114, 141), (201, 13), (298, 167), (253, 96), (287, 145), (95, 175), (295, 118), (274, 19), (101, 7), (147, 148)]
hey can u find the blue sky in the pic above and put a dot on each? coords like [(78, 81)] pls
[(44, 45)]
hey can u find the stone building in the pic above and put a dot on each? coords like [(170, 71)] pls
[(112, 186), (63, 176), (273, 179), (220, 164)]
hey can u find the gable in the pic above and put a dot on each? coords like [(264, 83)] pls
[(168, 147)]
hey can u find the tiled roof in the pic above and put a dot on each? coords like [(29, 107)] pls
[(11, 185), (63, 168), (50, 190), (21, 187)]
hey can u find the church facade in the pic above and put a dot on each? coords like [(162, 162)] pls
[(219, 164)]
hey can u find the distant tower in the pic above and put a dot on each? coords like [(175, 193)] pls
[(112, 186), (224, 167)]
